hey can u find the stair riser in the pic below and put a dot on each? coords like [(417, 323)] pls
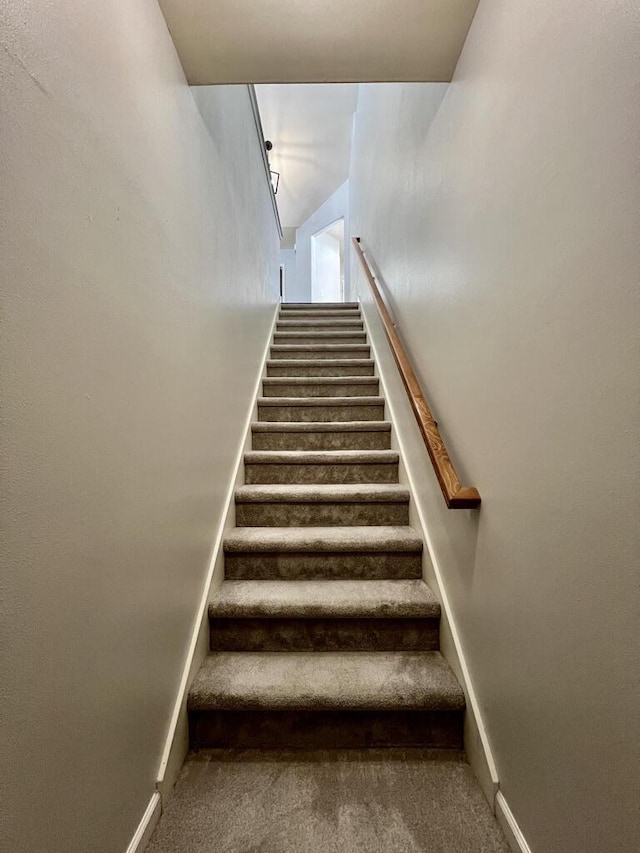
[(349, 368), (306, 635), (322, 440), (311, 389), (292, 352), (330, 474), (324, 414), (319, 338), (337, 514), (325, 729), (323, 565)]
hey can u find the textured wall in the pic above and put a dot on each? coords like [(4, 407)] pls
[(139, 259), (506, 231)]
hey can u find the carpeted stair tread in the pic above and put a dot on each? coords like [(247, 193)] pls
[(321, 435), (318, 306), (321, 362), (320, 317), (304, 333), (321, 457), (392, 539), (281, 402), (320, 348), (315, 310), (323, 632), (337, 599), (325, 681), (321, 426), (320, 386), (319, 493), (320, 367), (304, 323), (321, 380), (309, 338)]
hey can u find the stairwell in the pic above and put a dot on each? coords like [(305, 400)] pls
[(324, 639)]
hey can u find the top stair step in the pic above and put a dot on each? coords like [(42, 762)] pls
[(318, 306)]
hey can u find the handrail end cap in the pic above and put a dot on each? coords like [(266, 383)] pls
[(467, 497)]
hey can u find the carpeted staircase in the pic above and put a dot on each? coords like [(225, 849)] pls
[(323, 633)]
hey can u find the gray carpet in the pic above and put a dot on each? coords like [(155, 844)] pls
[(374, 801)]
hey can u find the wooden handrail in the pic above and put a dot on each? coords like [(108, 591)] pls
[(456, 495)]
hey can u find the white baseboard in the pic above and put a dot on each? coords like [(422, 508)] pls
[(177, 739), (477, 745), (146, 826), (509, 826)]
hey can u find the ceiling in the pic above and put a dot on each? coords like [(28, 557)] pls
[(310, 128), (298, 41)]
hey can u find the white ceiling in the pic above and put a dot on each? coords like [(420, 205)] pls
[(310, 128), (318, 41)]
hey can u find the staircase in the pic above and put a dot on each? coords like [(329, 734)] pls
[(323, 634)]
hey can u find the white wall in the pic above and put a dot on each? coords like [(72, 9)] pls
[(325, 269), (334, 208), (139, 259), (506, 232), (288, 261)]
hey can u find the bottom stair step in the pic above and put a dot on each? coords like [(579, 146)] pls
[(325, 699), (327, 801)]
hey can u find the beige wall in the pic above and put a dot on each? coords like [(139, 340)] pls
[(506, 231), (318, 41), (139, 261)]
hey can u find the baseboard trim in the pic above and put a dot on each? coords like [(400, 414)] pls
[(176, 741), (146, 826), (477, 743), (509, 826)]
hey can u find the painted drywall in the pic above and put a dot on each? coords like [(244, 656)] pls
[(318, 41), (326, 284), (505, 231), (288, 240), (139, 265), (288, 261), (334, 208)]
